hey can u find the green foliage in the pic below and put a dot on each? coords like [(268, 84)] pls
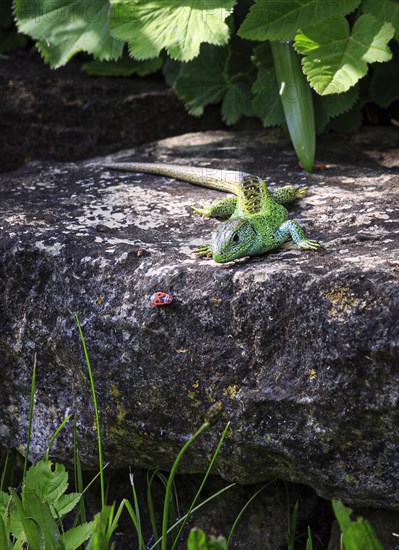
[(292, 522), (198, 540), (309, 542), (296, 99), (215, 76), (33, 518), (355, 534), (267, 104), (384, 10), (384, 86), (281, 20), (180, 28), (65, 28), (210, 53), (125, 66), (344, 52)]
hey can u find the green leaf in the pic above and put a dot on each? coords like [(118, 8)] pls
[(197, 540), (179, 27), (384, 10), (336, 58), (202, 81), (348, 123), (280, 20), (171, 70), (65, 504), (76, 536), (237, 102), (7, 508), (99, 539), (297, 101), (126, 66), (214, 76), (331, 106), (355, 534), (217, 543), (266, 102), (4, 500), (384, 87), (40, 512), (48, 483), (66, 27), (32, 532), (4, 536)]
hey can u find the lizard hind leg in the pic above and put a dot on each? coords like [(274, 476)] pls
[(219, 209), (294, 230)]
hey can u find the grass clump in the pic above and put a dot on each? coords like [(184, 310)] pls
[(32, 515)]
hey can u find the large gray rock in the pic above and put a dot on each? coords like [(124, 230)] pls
[(301, 347)]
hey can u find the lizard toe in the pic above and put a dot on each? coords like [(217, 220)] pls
[(302, 192), (308, 244), (203, 250)]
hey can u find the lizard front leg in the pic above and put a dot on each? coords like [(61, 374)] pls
[(294, 230), (219, 209), (288, 194)]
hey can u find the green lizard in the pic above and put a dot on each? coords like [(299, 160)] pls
[(257, 220)]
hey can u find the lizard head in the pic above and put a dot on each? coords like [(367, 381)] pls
[(234, 238)]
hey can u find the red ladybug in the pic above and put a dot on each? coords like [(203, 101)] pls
[(160, 299)]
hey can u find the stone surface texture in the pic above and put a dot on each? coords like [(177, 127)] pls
[(301, 347)]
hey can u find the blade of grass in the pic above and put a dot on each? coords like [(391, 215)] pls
[(150, 505), (171, 477), (212, 415), (135, 520), (94, 479), (31, 404), (292, 527), (137, 511), (172, 507), (55, 435), (173, 502), (215, 454), (3, 473), (244, 508), (203, 503), (75, 523), (309, 542), (77, 468), (97, 416)]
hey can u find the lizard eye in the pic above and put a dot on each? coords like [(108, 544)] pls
[(236, 238)]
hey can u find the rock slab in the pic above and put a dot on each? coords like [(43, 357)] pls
[(301, 347)]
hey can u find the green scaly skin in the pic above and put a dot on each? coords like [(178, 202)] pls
[(257, 221)]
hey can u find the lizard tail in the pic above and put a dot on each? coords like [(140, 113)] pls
[(222, 180)]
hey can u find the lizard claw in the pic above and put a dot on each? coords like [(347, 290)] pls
[(308, 244), (204, 250)]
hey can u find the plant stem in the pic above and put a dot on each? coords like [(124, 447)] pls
[(31, 404), (97, 416), (171, 477)]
